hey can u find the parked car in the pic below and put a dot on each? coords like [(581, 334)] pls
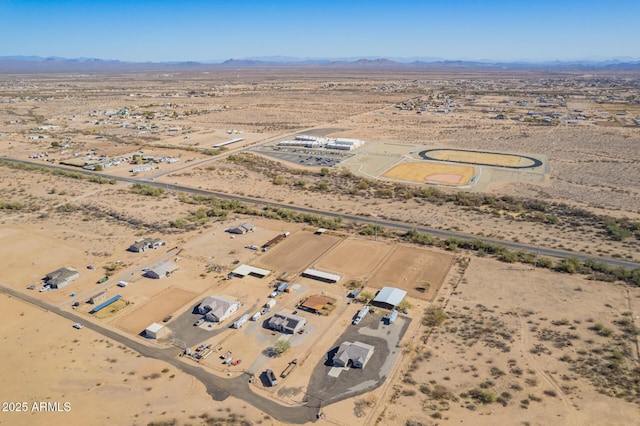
[(123, 284), (31, 287), (200, 321), (167, 318), (78, 325), (44, 288)]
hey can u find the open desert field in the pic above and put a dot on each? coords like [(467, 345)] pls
[(514, 343), (94, 380), (531, 344), (355, 258)]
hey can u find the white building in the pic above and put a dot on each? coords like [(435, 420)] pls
[(155, 331), (217, 308)]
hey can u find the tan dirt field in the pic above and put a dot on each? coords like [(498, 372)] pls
[(161, 305), (446, 174), (104, 382), (479, 157), (546, 343), (508, 330), (295, 253), (410, 267), (355, 258)]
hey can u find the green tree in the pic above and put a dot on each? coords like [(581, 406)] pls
[(366, 297), (281, 346)]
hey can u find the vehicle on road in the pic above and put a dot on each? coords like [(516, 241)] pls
[(78, 325)]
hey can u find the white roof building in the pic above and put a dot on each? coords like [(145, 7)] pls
[(321, 276), (217, 308), (355, 354), (389, 297), (155, 331), (244, 270)]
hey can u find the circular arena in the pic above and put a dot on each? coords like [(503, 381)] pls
[(480, 158)]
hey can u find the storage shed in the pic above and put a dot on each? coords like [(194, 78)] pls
[(155, 331), (326, 277)]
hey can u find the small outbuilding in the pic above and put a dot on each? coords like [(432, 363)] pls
[(98, 298), (155, 331), (161, 270), (389, 297), (355, 354)]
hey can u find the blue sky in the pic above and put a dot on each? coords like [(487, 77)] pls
[(199, 30)]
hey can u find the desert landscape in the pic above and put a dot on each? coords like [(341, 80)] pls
[(502, 205)]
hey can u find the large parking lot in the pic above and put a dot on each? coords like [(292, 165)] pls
[(306, 156)]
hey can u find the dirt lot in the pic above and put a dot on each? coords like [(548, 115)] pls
[(355, 258), (295, 253), (91, 371), (163, 304), (410, 268), (51, 220)]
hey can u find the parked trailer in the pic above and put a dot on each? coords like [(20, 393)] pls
[(354, 293), (361, 314), (240, 321), (282, 287), (289, 368), (270, 304), (256, 316), (392, 316)]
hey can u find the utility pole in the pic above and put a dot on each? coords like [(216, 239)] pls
[(535, 263)]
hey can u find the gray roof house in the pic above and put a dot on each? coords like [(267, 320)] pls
[(242, 229), (217, 308), (354, 354), (61, 277), (161, 270), (146, 244), (287, 323)]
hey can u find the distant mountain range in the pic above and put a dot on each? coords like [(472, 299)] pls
[(37, 64)]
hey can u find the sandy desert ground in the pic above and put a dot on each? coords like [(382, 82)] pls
[(487, 342)]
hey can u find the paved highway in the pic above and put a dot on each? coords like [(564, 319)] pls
[(562, 254), (219, 388)]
